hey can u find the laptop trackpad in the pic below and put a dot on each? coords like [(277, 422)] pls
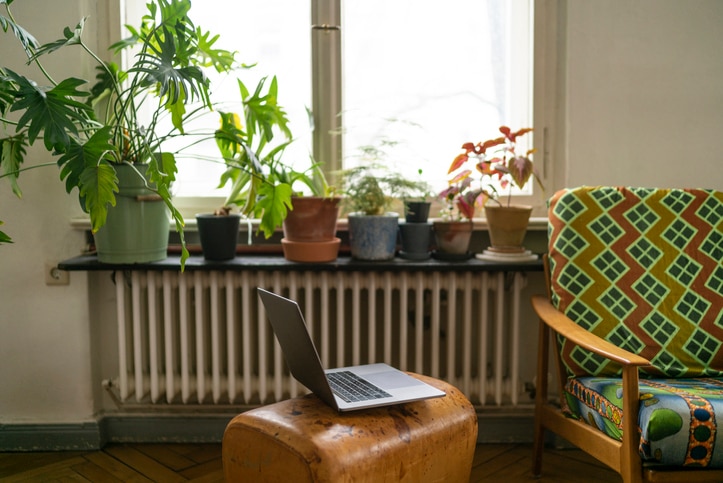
[(391, 380)]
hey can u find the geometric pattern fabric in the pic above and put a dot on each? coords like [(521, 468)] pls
[(643, 269)]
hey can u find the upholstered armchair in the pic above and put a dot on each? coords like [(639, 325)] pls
[(634, 312)]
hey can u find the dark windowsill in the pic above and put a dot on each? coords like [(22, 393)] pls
[(276, 262)]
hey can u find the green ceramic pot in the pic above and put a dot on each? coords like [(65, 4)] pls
[(136, 230)]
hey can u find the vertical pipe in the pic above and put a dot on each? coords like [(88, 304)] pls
[(231, 335), (183, 291), (499, 336), (467, 333), (246, 335), (198, 289), (215, 321), (168, 333), (403, 318), (484, 330), (278, 357), (355, 319), (324, 320), (452, 324), (261, 327), (120, 296), (372, 317), (340, 323), (517, 285), (294, 294), (137, 335), (153, 336), (419, 326), (388, 296), (434, 328)]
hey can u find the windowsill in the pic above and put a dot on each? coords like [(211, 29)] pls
[(252, 242), (538, 223), (90, 263)]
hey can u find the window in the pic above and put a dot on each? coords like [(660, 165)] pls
[(423, 75)]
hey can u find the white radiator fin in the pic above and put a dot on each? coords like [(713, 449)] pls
[(202, 337)]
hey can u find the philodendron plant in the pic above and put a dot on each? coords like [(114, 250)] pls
[(117, 120)]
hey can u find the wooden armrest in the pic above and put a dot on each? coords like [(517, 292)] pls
[(561, 324)]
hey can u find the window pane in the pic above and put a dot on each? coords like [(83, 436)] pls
[(274, 35), (429, 76)]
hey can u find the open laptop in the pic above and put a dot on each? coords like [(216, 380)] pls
[(346, 388)]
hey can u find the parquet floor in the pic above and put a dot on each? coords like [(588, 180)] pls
[(509, 463)]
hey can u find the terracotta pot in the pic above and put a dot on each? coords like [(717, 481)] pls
[(310, 229), (306, 252), (507, 226), (453, 237), (312, 219)]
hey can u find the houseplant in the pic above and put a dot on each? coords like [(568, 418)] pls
[(310, 226), (498, 164), (368, 191), (261, 186), (116, 133)]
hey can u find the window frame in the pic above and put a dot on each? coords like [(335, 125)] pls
[(326, 74)]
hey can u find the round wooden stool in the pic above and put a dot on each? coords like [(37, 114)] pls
[(304, 440)]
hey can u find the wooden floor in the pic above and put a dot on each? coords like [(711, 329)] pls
[(202, 463)]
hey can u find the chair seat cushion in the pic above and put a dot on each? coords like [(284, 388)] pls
[(677, 419)]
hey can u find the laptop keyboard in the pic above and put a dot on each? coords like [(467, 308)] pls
[(352, 388)]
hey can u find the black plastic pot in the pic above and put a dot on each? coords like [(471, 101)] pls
[(218, 235)]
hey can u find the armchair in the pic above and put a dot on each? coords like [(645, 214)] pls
[(634, 311)]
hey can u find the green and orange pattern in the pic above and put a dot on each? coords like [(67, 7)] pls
[(642, 268)]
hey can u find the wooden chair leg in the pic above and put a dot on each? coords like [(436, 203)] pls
[(543, 347), (537, 449)]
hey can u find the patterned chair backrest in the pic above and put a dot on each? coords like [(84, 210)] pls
[(643, 269)]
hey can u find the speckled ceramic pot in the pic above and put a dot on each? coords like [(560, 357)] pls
[(373, 237)]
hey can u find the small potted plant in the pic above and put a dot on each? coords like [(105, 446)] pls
[(368, 191), (498, 163), (260, 188)]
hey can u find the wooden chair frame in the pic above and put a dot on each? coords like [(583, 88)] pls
[(621, 456)]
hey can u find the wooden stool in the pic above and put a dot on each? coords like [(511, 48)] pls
[(303, 439)]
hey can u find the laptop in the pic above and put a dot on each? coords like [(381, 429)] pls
[(345, 388)]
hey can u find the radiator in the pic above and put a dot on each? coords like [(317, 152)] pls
[(202, 338)]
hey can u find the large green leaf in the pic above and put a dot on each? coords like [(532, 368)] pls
[(12, 153), (71, 37), (53, 112), (97, 190), (7, 92), (26, 39), (221, 60), (79, 157), (274, 201)]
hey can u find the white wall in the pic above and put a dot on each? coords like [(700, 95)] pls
[(44, 330), (642, 105), (644, 93)]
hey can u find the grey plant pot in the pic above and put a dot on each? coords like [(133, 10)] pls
[(415, 239), (373, 237)]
